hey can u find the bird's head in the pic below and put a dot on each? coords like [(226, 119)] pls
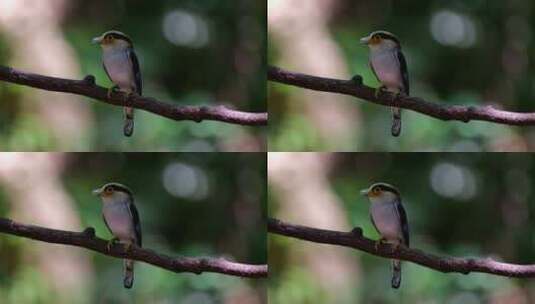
[(113, 191), (381, 192), (113, 40), (380, 40)]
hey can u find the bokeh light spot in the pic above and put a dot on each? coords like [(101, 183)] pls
[(453, 181), (453, 29), (185, 28), (185, 181)]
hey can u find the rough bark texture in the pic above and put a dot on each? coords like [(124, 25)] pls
[(356, 240), (87, 239), (357, 89), (87, 87)]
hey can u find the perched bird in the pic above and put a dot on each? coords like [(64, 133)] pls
[(121, 217), (122, 67), (389, 66), (389, 219)]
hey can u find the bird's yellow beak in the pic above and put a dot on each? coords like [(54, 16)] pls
[(97, 40)]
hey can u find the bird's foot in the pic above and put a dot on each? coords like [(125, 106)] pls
[(380, 90), (399, 95), (128, 247), (111, 91), (379, 242), (128, 96), (111, 243)]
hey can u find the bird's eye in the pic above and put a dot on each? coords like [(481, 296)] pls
[(376, 190), (108, 190)]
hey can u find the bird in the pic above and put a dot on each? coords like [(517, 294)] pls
[(389, 219), (389, 67), (122, 67), (122, 220)]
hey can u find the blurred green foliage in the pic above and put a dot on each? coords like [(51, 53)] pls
[(190, 53), (462, 204), (191, 204), (458, 52)]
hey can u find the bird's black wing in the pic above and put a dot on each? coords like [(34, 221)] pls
[(107, 226), (137, 222), (404, 222), (137, 71), (371, 218), (404, 71), (104, 66), (373, 70)]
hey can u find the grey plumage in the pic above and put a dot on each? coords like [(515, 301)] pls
[(122, 67), (396, 264), (389, 67), (128, 111), (389, 219), (122, 220)]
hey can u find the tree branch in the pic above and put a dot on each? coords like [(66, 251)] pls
[(356, 240), (357, 89), (87, 87), (87, 239)]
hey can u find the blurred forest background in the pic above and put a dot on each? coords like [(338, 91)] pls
[(191, 53), (189, 204), (459, 204), (458, 52)]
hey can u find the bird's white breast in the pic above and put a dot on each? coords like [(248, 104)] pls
[(386, 220), (386, 66), (119, 68), (119, 220)]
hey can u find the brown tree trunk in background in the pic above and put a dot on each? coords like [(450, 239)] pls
[(301, 186), (33, 30), (299, 28), (36, 195)]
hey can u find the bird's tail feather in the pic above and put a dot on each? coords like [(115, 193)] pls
[(128, 273), (128, 121), (396, 121), (396, 273)]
